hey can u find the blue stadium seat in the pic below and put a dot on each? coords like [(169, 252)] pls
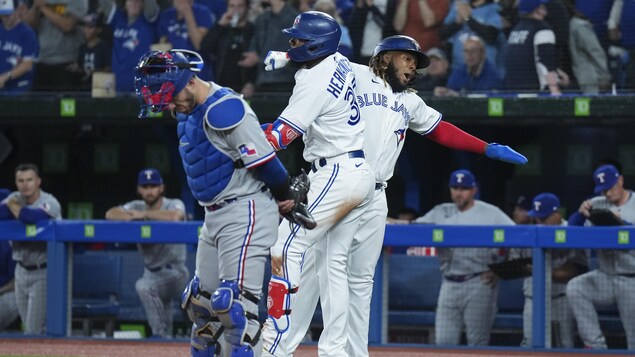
[(96, 289), (511, 301)]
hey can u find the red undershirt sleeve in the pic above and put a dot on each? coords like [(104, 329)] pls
[(452, 137)]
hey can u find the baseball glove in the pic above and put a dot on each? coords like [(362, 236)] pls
[(300, 214)]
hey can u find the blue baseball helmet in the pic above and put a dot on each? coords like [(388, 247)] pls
[(405, 44), (321, 33), (160, 76)]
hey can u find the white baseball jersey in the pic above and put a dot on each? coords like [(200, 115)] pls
[(330, 126), (388, 116)]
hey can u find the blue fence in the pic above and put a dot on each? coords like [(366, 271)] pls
[(58, 234)]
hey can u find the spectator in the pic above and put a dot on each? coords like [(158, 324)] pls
[(477, 74), (520, 212), (473, 17), (613, 281), (436, 74), (165, 273), (59, 38), (622, 31), (421, 20), (598, 13), (558, 17), (30, 204), (133, 29), (531, 57), (94, 54), (564, 265), (370, 22), (16, 61), (183, 26), (469, 290), (267, 37), (224, 45), (588, 59), (8, 307), (346, 44), (217, 8)]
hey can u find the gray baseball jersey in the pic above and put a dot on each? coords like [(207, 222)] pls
[(164, 276), (465, 300), (613, 282)]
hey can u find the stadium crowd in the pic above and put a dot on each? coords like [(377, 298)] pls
[(482, 46)]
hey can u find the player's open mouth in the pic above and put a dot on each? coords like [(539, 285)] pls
[(407, 75)]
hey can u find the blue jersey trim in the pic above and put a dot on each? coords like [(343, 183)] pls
[(294, 126), (434, 126), (261, 161)]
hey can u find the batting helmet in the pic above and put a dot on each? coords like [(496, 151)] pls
[(160, 76), (404, 44), (321, 33)]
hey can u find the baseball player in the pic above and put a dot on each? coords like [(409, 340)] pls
[(8, 307), (390, 108), (565, 265), (323, 110), (469, 289), (165, 272), (30, 204), (233, 172), (614, 280)]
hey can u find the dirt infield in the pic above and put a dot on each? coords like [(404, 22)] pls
[(117, 348)]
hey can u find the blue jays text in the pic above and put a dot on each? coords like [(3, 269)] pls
[(379, 99)]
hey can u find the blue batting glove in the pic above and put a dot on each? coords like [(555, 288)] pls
[(504, 153)]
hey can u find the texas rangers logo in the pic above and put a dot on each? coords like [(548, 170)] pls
[(459, 177), (537, 205), (401, 135), (247, 150), (600, 177)]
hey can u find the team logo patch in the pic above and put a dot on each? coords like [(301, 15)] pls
[(401, 135), (247, 150)]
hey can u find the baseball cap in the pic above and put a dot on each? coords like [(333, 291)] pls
[(544, 205), (605, 177), (462, 178), (528, 6), (149, 177), (437, 52), (7, 7), (523, 202), (93, 19)]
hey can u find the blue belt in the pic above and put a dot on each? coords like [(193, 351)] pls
[(378, 186), (323, 162), (154, 270), (33, 267), (224, 203), (460, 278)]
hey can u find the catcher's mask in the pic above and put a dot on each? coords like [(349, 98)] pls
[(160, 76)]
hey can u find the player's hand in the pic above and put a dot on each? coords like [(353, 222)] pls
[(137, 215), (489, 278), (585, 207), (285, 206), (504, 153), (276, 60)]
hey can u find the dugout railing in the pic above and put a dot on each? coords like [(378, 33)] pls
[(59, 235)]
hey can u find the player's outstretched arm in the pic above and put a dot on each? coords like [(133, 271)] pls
[(450, 136), (275, 60), (279, 134)]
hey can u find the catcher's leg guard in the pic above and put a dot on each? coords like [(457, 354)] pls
[(279, 302), (234, 310), (206, 328)]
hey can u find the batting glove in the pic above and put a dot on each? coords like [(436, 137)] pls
[(504, 153), (276, 60)]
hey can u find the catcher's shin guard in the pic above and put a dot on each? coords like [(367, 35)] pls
[(206, 328), (234, 310), (279, 302)]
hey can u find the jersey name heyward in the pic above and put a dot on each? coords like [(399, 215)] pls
[(336, 84), (379, 99)]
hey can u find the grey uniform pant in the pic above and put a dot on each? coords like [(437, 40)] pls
[(157, 291), (8, 309), (560, 313), (30, 296), (472, 304), (599, 288)]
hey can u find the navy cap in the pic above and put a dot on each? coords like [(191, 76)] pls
[(544, 205), (462, 178), (605, 178), (149, 177), (528, 6), (523, 202)]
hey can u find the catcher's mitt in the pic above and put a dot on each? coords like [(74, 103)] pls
[(300, 214)]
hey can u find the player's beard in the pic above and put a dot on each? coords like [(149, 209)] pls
[(393, 80)]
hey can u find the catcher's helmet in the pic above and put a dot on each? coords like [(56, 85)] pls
[(403, 43), (321, 32), (160, 76)]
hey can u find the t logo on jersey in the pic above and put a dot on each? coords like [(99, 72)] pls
[(600, 177), (246, 150), (401, 135)]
